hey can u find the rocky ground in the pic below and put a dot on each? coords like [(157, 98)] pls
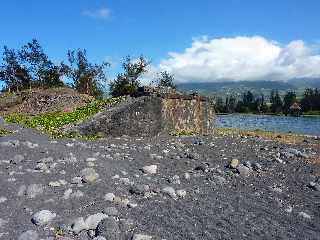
[(219, 187)]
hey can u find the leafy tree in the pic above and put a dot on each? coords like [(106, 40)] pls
[(128, 82), (166, 79), (86, 77), (288, 99), (276, 102), (219, 106), (311, 100), (231, 103), (12, 72), (42, 70)]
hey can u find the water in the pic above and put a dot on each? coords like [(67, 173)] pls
[(298, 125)]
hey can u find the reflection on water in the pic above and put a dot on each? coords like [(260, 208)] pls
[(299, 125)]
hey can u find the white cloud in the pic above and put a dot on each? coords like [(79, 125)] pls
[(101, 13), (242, 58)]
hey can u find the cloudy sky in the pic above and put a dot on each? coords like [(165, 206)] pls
[(203, 40)]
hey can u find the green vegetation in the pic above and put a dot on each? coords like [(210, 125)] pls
[(4, 132), (289, 104), (51, 122)]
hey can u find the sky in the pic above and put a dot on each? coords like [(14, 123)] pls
[(196, 40)]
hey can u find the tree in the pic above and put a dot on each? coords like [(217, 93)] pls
[(86, 77), (12, 72), (42, 70), (276, 102), (288, 99), (219, 107), (128, 82), (166, 79), (231, 103), (311, 100)]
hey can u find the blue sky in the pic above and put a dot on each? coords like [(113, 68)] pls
[(112, 29)]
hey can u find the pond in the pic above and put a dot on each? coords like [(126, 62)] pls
[(284, 124)]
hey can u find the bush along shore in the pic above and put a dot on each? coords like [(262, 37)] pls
[(232, 185)]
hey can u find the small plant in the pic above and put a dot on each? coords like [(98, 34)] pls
[(4, 132), (52, 122)]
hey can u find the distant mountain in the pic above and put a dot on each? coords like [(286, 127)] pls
[(223, 89)]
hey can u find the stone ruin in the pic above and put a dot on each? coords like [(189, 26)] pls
[(151, 113)]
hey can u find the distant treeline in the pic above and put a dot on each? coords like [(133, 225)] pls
[(250, 103), (30, 67)]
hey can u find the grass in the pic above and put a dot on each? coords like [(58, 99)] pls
[(311, 113), (52, 122), (281, 137), (4, 132)]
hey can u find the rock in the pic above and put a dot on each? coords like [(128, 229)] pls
[(78, 225), (170, 191), (29, 235), (151, 169), (234, 163), (17, 159), (141, 237), (174, 180), (111, 211), (89, 175), (314, 186), (43, 217), (93, 220), (217, 179), (91, 159), (41, 166), (137, 189), (187, 176), (256, 167), (202, 168), (34, 190), (54, 184), (3, 222), (3, 199), (109, 197), (76, 180), (22, 190), (132, 205), (243, 170), (100, 238), (67, 193), (304, 215), (181, 193), (109, 229)]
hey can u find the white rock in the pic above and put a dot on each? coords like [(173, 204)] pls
[(43, 217), (151, 169), (170, 191), (34, 190), (304, 215), (78, 225), (89, 175), (187, 176), (67, 193), (54, 184), (91, 159), (100, 238), (93, 220), (109, 197), (76, 180), (141, 237), (181, 193), (3, 199), (22, 190)]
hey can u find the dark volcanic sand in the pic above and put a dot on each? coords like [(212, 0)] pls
[(272, 203)]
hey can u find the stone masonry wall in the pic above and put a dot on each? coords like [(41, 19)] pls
[(150, 116)]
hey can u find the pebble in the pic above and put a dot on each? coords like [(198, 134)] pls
[(78, 225), (109, 197), (89, 175), (181, 193), (93, 220), (187, 176), (234, 163), (304, 215), (170, 191), (243, 170), (141, 237), (3, 199), (29, 235), (109, 229), (151, 169), (43, 217), (314, 186), (76, 180)]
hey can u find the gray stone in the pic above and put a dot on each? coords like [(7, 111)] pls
[(93, 220), (243, 170), (109, 229), (43, 217), (29, 235), (304, 215), (170, 191), (78, 225), (181, 193), (151, 169), (109, 197), (89, 175), (141, 237), (314, 186)]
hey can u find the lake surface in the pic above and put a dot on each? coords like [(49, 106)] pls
[(298, 125)]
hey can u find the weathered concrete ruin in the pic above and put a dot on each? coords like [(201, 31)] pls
[(152, 115)]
